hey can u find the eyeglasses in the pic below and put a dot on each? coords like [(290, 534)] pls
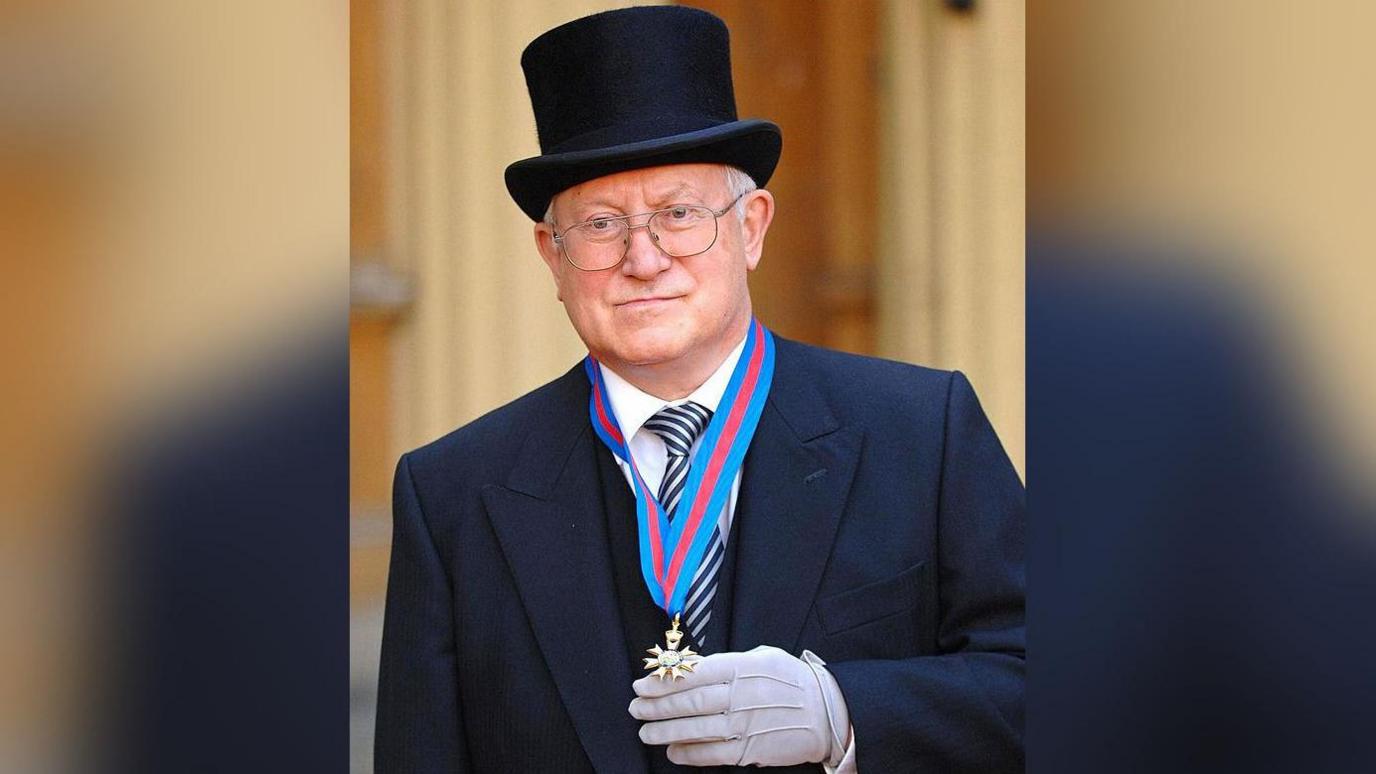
[(680, 230)]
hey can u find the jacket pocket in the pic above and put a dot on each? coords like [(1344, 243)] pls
[(872, 601)]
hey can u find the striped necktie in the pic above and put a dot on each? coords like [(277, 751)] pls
[(679, 427)]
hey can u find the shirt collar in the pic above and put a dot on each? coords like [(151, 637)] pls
[(633, 407)]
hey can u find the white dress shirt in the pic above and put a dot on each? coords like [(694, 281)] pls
[(633, 407)]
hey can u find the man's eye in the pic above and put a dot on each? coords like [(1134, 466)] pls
[(678, 213), (601, 224)]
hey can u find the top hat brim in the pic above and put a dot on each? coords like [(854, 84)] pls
[(753, 145)]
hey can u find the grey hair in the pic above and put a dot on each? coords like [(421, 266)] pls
[(738, 184)]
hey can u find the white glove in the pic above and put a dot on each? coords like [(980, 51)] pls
[(761, 707)]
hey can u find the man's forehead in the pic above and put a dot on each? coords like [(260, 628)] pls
[(654, 183)]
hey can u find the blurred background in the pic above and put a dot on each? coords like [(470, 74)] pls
[(899, 229), (173, 322), (1201, 265)]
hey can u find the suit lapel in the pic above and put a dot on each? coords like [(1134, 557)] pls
[(796, 478), (549, 522)]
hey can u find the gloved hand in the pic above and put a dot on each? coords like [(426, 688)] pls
[(762, 707)]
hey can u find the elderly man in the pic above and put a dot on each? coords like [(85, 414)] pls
[(704, 545)]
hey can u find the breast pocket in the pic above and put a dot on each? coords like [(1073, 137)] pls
[(879, 619)]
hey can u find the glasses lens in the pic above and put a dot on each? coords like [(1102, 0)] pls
[(684, 230), (598, 244)]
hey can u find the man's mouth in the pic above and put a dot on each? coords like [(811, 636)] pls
[(646, 303)]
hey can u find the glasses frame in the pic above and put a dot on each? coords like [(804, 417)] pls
[(626, 247)]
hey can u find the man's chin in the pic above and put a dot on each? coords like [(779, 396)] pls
[(650, 356), (651, 347)]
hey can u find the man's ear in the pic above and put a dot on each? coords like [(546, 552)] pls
[(550, 254), (759, 213)]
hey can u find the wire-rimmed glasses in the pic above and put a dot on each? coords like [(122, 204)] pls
[(680, 230)]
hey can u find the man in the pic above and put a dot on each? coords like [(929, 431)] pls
[(704, 545)]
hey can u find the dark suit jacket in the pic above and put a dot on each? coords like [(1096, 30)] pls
[(880, 524)]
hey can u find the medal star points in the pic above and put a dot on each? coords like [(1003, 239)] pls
[(671, 662)]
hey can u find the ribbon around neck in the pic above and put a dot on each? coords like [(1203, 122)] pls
[(671, 552)]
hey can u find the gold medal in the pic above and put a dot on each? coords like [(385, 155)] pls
[(670, 661)]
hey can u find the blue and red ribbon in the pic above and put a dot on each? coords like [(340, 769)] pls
[(670, 553)]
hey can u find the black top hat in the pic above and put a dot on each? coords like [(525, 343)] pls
[(631, 88)]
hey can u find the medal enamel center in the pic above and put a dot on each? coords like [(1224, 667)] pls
[(670, 661)]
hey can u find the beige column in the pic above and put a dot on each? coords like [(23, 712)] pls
[(484, 326), (950, 267)]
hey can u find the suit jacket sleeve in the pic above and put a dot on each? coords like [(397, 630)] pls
[(962, 708), (419, 726)]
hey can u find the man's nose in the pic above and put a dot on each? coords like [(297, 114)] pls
[(644, 259)]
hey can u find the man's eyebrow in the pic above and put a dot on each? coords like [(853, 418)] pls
[(581, 207), (671, 196)]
